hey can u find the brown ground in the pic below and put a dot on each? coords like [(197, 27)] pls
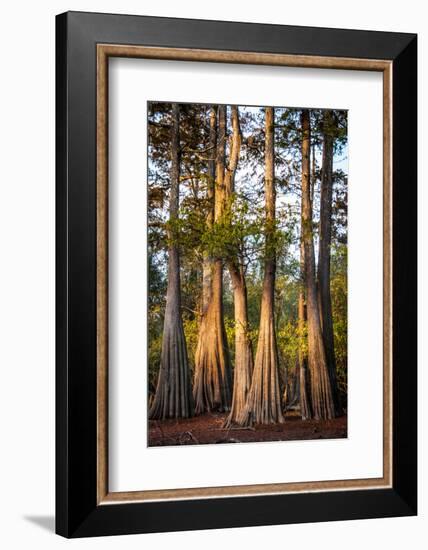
[(207, 428)]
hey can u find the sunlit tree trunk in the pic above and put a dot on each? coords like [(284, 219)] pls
[(173, 398), (321, 395), (264, 398), (305, 399), (212, 388), (207, 264), (313, 174), (324, 254), (243, 348)]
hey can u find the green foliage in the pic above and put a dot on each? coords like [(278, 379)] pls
[(191, 331), (288, 345), (154, 356), (231, 232), (339, 297), (229, 325)]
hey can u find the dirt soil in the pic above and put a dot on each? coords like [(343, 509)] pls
[(207, 428)]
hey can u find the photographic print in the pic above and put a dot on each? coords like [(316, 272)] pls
[(220, 290), (247, 260)]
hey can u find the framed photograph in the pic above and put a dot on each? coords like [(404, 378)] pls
[(236, 274)]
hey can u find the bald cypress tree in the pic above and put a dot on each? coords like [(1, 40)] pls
[(207, 265), (324, 254), (305, 398), (173, 398), (243, 347), (212, 387), (321, 394), (264, 397)]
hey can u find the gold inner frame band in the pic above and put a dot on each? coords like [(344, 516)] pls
[(104, 51)]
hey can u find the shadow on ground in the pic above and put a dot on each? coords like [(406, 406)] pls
[(45, 522)]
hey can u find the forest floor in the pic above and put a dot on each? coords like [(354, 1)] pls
[(207, 428)]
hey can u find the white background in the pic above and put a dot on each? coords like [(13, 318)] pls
[(133, 82), (27, 274)]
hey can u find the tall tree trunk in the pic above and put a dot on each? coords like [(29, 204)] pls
[(305, 403), (321, 394), (173, 398), (207, 264), (264, 398), (243, 347), (324, 254), (212, 387)]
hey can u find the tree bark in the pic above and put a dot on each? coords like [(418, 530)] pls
[(324, 254), (173, 398), (313, 174), (243, 347), (213, 382), (207, 264), (291, 395), (305, 403), (321, 393), (264, 398)]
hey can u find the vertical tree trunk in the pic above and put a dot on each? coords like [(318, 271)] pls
[(207, 264), (313, 174), (213, 382), (264, 398), (324, 254), (173, 398), (305, 404), (243, 348), (291, 395), (321, 394)]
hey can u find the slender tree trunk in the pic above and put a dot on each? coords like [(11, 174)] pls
[(243, 347), (305, 403), (212, 388), (291, 395), (313, 174), (324, 255), (321, 394), (173, 398), (207, 264), (264, 398)]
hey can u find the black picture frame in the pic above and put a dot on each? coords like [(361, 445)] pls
[(77, 511)]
